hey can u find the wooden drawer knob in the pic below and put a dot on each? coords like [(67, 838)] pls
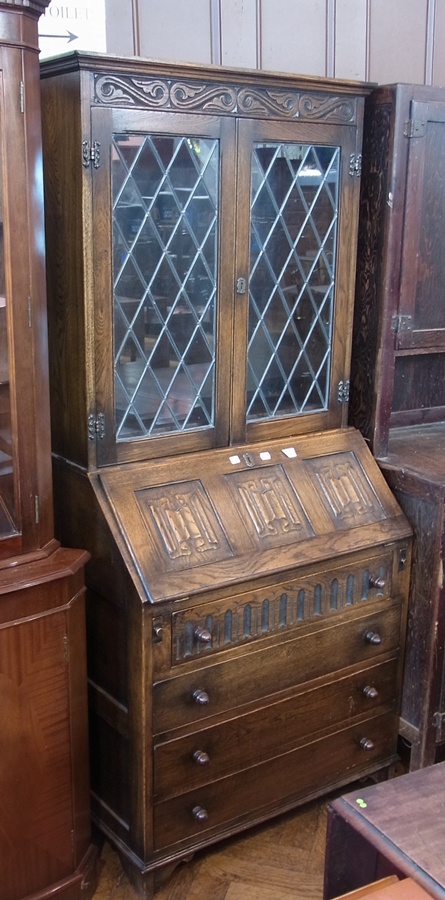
[(366, 743), (201, 698), (203, 634), (200, 814), (371, 637), (201, 757), (377, 582), (370, 692)]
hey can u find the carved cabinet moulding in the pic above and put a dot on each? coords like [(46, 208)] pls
[(189, 96)]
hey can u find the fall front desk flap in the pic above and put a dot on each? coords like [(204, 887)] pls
[(195, 522)]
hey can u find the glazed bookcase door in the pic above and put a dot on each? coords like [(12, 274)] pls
[(183, 305), (8, 505), (169, 319), (25, 460), (293, 314)]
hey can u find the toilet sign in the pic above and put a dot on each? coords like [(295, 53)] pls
[(72, 25)]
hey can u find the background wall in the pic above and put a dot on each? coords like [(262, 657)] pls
[(369, 40)]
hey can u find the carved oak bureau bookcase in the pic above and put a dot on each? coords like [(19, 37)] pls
[(249, 565), (398, 366)]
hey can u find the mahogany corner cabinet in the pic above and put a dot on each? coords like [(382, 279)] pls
[(249, 566), (45, 829)]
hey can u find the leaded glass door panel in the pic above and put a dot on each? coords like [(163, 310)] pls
[(168, 226), (294, 355)]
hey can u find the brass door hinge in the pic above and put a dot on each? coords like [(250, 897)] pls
[(343, 392), (96, 426), (355, 164), (91, 153), (439, 722)]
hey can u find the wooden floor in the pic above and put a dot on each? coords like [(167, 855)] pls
[(282, 860)]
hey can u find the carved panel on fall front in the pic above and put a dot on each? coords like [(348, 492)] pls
[(184, 525), (345, 491), (269, 507)]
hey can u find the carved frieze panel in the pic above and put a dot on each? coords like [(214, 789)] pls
[(269, 507), (183, 524), (155, 93), (344, 490)]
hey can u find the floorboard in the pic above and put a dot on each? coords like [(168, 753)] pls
[(282, 860)]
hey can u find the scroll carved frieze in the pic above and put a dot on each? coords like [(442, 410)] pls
[(345, 491), (269, 507), (183, 523), (146, 92)]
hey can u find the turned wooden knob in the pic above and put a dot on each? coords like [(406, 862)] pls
[(200, 814), (371, 637), (376, 582), (201, 757), (370, 692), (367, 744), (201, 698), (203, 634)]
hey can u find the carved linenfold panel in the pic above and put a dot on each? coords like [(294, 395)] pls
[(345, 490), (269, 506), (276, 609), (147, 92), (183, 524)]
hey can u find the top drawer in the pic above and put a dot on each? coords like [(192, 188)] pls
[(278, 608)]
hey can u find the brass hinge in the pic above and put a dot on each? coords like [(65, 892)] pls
[(415, 128), (91, 153), (96, 426), (343, 392), (355, 164), (401, 323)]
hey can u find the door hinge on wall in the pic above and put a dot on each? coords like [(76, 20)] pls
[(415, 128), (355, 164), (343, 392), (91, 153), (96, 426)]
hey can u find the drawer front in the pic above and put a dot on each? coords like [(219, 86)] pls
[(278, 608), (272, 785), (196, 759), (215, 689)]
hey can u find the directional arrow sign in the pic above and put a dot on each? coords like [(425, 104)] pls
[(68, 36)]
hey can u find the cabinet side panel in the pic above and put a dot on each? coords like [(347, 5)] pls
[(370, 256), (62, 149)]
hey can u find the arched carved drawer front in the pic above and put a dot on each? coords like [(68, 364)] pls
[(257, 614)]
